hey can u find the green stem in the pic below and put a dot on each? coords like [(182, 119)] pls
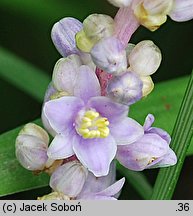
[(182, 134), (137, 180)]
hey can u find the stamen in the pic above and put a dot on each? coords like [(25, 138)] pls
[(92, 125)]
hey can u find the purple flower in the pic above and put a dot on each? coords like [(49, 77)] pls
[(150, 151), (72, 181), (89, 125)]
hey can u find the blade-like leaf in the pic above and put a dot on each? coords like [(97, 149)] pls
[(23, 75), (13, 177)]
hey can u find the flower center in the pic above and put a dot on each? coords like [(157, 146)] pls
[(92, 125)]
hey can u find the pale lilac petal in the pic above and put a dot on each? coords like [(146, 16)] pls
[(87, 84), (61, 146), (163, 134), (61, 113), (113, 189), (107, 108), (149, 120), (182, 10), (95, 197), (126, 131), (96, 154), (169, 159), (69, 179), (95, 184), (63, 35), (139, 155)]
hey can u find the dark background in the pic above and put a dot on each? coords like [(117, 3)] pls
[(27, 34)]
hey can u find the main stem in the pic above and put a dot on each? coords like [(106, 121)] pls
[(125, 25)]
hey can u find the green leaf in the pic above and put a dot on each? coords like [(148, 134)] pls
[(182, 135), (23, 75), (13, 177), (137, 180)]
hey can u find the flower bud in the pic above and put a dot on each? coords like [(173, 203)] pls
[(152, 14), (54, 196), (31, 147), (65, 73), (125, 89), (148, 85), (120, 3), (63, 35), (95, 27), (150, 149), (145, 58), (109, 55), (69, 178), (182, 10)]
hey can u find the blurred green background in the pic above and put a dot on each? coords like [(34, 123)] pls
[(25, 27)]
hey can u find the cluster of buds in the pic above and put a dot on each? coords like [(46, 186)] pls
[(86, 105)]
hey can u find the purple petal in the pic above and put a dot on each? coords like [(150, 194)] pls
[(182, 10), (96, 154), (49, 92), (61, 146), (126, 131), (107, 108), (69, 179), (139, 155), (63, 35), (125, 89), (95, 184), (109, 55), (149, 120), (87, 84), (163, 134), (61, 112), (169, 159), (113, 189)]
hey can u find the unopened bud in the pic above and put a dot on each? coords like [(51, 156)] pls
[(95, 27), (31, 147), (63, 35), (148, 85), (152, 14), (120, 3), (125, 89), (145, 58), (69, 178), (109, 55)]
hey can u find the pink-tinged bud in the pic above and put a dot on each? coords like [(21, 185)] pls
[(182, 10), (69, 179), (145, 58), (63, 35), (109, 55), (31, 147), (120, 3), (125, 89)]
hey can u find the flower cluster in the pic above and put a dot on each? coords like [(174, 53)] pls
[(86, 105)]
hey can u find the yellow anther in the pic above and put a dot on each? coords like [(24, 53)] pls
[(91, 114), (92, 125)]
